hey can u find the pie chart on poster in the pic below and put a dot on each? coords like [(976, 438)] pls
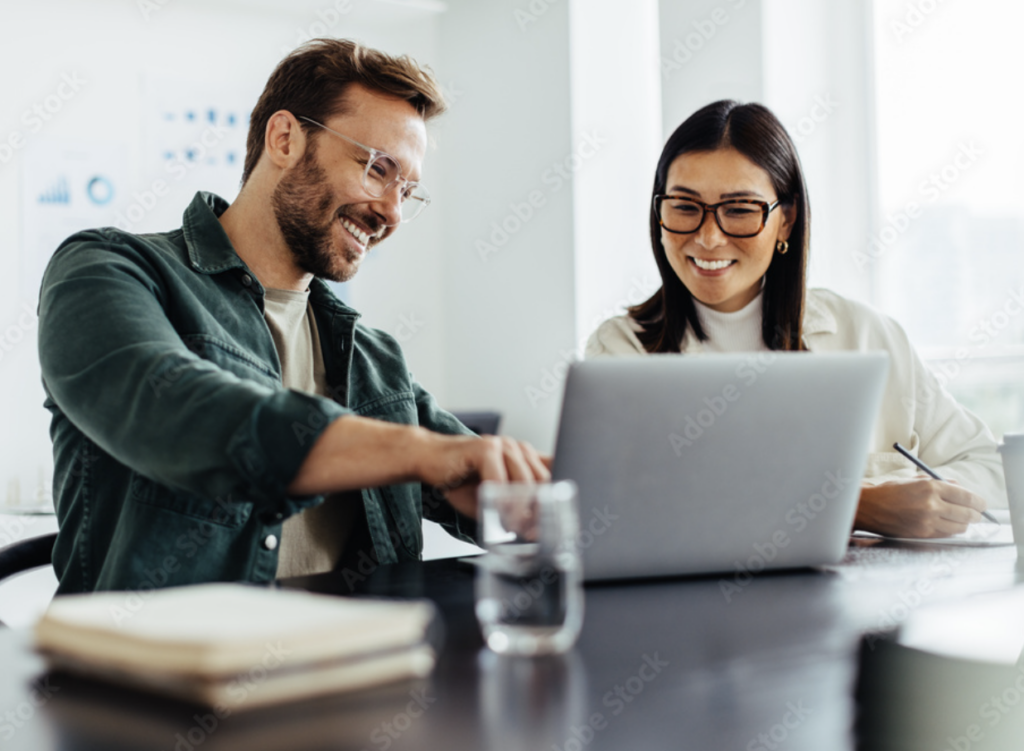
[(100, 190)]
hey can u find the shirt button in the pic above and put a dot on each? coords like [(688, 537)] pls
[(270, 542), (246, 280)]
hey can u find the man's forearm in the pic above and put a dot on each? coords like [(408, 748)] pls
[(359, 452)]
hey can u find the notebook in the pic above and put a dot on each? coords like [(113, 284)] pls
[(235, 646)]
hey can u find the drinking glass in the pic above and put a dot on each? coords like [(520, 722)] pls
[(529, 596)]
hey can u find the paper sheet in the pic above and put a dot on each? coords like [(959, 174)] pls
[(981, 535)]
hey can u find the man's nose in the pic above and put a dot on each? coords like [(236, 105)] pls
[(389, 205)]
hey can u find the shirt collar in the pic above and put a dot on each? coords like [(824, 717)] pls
[(209, 249), (818, 319), (211, 252)]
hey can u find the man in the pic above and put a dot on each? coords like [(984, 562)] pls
[(217, 413)]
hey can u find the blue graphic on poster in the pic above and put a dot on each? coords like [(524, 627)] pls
[(67, 186)]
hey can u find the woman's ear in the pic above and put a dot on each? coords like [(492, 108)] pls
[(788, 220)]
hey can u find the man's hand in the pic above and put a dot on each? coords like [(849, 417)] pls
[(457, 466), (359, 452), (920, 507)]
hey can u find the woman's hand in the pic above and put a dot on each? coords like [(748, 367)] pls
[(919, 507)]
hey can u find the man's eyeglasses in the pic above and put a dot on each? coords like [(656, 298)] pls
[(736, 218), (382, 173)]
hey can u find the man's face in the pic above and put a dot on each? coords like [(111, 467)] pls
[(326, 216)]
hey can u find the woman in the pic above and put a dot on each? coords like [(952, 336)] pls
[(730, 226)]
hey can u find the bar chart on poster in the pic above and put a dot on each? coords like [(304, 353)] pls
[(67, 186)]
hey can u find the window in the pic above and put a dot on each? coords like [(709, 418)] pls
[(947, 255)]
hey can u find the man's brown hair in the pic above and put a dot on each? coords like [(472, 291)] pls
[(312, 81)]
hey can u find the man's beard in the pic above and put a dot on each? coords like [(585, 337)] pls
[(300, 199)]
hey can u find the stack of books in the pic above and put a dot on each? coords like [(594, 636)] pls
[(236, 647)]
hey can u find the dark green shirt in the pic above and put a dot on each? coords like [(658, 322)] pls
[(173, 438)]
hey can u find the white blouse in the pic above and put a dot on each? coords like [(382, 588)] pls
[(917, 410)]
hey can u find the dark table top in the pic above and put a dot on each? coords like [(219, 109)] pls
[(671, 663)]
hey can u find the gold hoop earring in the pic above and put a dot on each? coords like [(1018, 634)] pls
[(781, 247)]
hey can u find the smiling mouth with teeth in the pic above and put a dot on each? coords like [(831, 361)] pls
[(712, 265), (361, 237)]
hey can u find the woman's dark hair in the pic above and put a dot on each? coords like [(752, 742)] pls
[(756, 133)]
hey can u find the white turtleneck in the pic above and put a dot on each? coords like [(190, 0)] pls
[(732, 332)]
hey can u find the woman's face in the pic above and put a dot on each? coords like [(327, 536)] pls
[(711, 177)]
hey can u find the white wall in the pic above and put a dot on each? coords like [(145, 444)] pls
[(508, 290), (810, 63), (818, 81), (116, 48), (710, 50), (616, 102), (564, 104)]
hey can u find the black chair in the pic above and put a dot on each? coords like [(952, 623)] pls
[(481, 423), (25, 555)]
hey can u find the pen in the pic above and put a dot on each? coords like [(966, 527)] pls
[(929, 471)]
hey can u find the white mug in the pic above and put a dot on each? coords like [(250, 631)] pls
[(1012, 450)]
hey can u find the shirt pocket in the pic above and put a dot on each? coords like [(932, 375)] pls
[(223, 513)]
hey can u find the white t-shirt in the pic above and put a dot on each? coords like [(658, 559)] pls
[(313, 540)]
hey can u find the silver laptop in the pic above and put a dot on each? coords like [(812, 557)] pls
[(717, 463)]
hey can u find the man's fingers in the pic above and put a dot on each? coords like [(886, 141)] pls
[(491, 463), (541, 470), (515, 463), (498, 460)]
